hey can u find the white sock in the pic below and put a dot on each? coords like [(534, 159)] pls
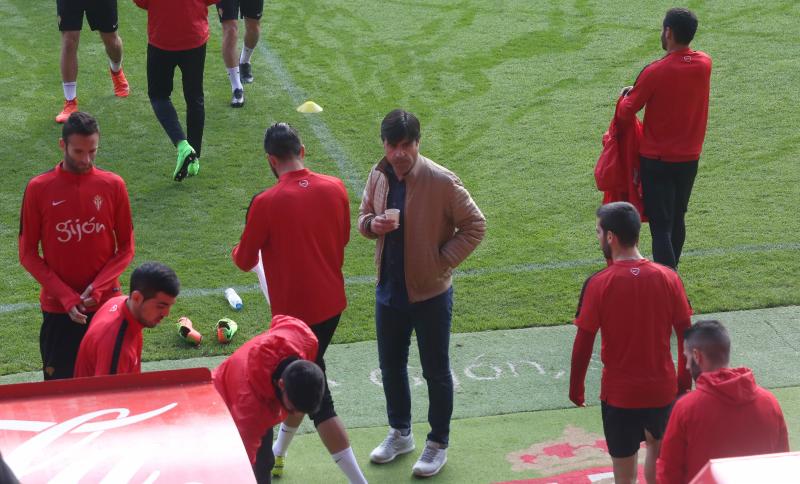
[(346, 461), (247, 52), (70, 90), (233, 76), (115, 66), (285, 436)]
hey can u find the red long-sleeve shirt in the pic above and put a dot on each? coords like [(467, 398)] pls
[(113, 343), (83, 223), (301, 226), (728, 415), (635, 304), (675, 91), (245, 379), (176, 24)]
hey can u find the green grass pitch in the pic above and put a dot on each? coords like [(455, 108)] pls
[(513, 96)]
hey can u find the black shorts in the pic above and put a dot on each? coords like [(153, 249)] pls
[(101, 14), (624, 427), (230, 9), (59, 340), (324, 333)]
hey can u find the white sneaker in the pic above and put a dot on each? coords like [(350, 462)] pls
[(393, 445), (433, 458)]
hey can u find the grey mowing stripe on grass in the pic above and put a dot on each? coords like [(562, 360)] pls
[(514, 269), (321, 131)]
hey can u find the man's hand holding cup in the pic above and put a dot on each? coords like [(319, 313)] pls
[(389, 221)]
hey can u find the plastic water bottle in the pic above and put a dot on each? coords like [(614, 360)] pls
[(233, 299)]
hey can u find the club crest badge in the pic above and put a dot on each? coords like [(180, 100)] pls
[(98, 202)]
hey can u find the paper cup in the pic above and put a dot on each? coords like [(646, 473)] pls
[(392, 214)]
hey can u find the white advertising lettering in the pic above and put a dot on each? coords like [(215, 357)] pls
[(74, 228), (33, 456)]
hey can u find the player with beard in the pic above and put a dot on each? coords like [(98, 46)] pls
[(80, 216), (300, 227), (674, 94), (113, 344), (728, 414), (635, 304)]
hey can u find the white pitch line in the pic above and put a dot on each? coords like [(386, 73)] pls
[(352, 178), (470, 273)]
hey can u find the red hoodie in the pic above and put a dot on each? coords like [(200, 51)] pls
[(728, 415), (244, 380)]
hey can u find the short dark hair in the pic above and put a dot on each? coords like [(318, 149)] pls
[(151, 278), (711, 338), (304, 384), (79, 123), (623, 220), (399, 125), (683, 23), (282, 141)]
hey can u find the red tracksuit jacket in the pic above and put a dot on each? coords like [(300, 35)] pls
[(83, 223), (244, 380), (617, 169), (301, 226), (675, 91), (113, 343)]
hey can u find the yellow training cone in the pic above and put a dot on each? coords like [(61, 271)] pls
[(309, 107)]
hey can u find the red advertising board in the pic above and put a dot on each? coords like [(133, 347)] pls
[(158, 427)]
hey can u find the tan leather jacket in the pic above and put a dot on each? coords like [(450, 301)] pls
[(443, 225)]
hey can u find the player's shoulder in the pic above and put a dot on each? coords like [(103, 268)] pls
[(665, 272), (597, 279), (686, 403), (328, 179), (108, 176), (42, 178), (699, 54)]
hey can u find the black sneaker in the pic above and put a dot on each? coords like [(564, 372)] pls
[(237, 100), (245, 74)]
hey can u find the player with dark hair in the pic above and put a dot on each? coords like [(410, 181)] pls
[(239, 67), (300, 227), (177, 32), (80, 216), (265, 380), (675, 91), (113, 344), (727, 415), (636, 305), (102, 16)]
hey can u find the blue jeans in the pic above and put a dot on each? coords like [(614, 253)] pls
[(431, 321)]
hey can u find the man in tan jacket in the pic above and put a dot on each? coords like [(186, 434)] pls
[(437, 227)]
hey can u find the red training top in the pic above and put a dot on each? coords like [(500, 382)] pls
[(301, 225), (176, 24), (728, 415), (113, 343), (635, 304), (244, 380), (675, 90), (84, 225)]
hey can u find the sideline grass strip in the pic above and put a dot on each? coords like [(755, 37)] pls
[(513, 97), (491, 449)]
